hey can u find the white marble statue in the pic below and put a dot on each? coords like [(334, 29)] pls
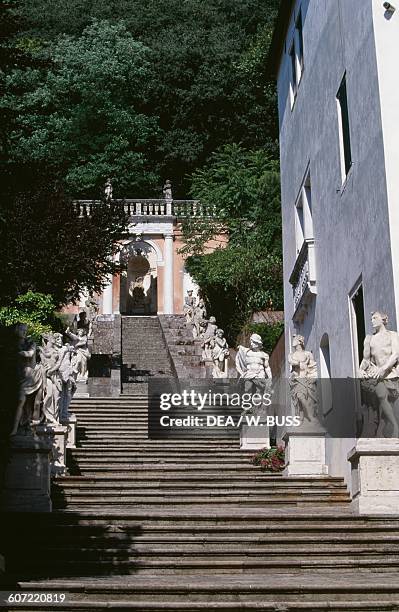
[(303, 380), (167, 190), (207, 333), (108, 190), (379, 371), (59, 373), (189, 305), (93, 310), (30, 377), (198, 316), (81, 358), (253, 365), (220, 355)]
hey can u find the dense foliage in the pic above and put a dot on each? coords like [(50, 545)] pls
[(205, 78), (34, 309), (243, 187), (138, 92), (45, 247), (83, 113)]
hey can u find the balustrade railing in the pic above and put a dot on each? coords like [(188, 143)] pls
[(146, 207), (303, 277)]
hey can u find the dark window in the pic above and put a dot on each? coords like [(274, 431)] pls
[(358, 307), (344, 121), (298, 26), (294, 83)]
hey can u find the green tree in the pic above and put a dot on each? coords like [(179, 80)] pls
[(84, 114), (46, 247), (243, 188), (34, 309), (207, 84)]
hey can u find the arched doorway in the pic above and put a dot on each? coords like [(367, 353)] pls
[(138, 290)]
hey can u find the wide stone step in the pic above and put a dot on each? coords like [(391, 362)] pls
[(173, 467), (272, 479), (155, 445), (196, 519), (145, 461), (166, 487), (174, 604), (81, 565), (160, 454), (114, 537), (178, 499), (192, 486), (219, 551)]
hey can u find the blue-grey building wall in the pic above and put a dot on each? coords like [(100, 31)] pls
[(350, 221)]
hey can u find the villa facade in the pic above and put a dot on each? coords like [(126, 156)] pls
[(338, 106)]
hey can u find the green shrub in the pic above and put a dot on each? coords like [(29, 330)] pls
[(269, 333), (34, 309)]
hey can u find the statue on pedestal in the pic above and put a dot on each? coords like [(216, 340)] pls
[(60, 385), (253, 365), (167, 190), (189, 305), (207, 333), (198, 316), (93, 310), (108, 190), (220, 355), (303, 380), (30, 375), (379, 371), (81, 358)]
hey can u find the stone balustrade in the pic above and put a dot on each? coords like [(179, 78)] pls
[(147, 207), (303, 277)]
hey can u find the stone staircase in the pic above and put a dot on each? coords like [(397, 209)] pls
[(184, 351), (189, 524), (144, 353)]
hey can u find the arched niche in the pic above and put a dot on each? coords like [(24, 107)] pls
[(138, 287)]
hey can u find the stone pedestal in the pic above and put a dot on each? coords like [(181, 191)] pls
[(82, 389), (254, 437), (305, 453), (375, 476), (27, 475), (58, 463), (70, 424), (208, 364)]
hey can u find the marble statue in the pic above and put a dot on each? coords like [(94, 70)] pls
[(30, 375), (60, 375), (82, 355), (198, 316), (220, 354), (108, 190), (207, 333), (303, 380), (189, 305), (167, 190), (93, 310), (253, 365), (379, 370)]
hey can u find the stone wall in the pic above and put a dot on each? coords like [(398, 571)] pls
[(105, 362)]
